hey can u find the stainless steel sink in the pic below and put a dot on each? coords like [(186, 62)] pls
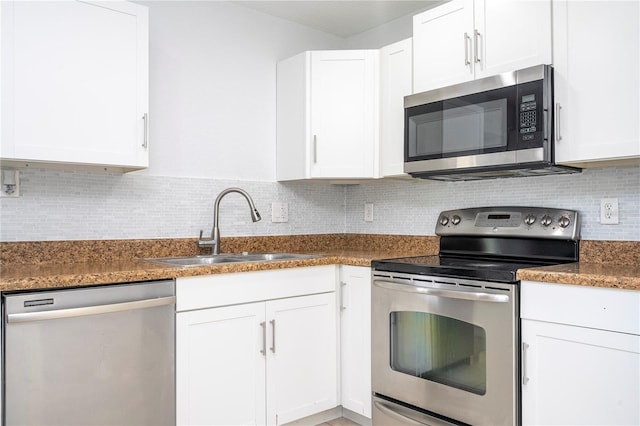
[(227, 258)]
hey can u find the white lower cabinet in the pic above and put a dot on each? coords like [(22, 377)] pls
[(355, 339), (580, 355), (267, 362)]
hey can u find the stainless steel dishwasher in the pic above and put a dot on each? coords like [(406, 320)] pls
[(90, 356)]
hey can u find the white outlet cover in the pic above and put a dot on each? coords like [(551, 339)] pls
[(368, 212), (609, 212), (279, 212)]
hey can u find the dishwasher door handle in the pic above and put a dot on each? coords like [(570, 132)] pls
[(90, 310)]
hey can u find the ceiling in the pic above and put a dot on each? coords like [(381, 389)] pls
[(341, 18)]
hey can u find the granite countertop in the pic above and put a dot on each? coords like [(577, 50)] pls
[(587, 274), (28, 266), (47, 276)]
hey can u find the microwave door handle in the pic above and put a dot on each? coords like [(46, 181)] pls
[(464, 295)]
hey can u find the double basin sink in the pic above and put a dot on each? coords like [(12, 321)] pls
[(204, 260)]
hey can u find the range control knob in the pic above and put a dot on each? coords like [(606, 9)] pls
[(444, 220), (564, 221), (530, 219), (546, 220), (455, 219)]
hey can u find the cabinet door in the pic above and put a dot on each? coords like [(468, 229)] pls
[(442, 46), (220, 366), (511, 35), (579, 376), (395, 83), (75, 82), (597, 92), (355, 339), (344, 93), (301, 359)]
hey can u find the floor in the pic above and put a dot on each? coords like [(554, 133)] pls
[(339, 422)]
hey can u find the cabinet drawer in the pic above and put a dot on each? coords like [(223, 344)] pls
[(593, 307), (209, 291)]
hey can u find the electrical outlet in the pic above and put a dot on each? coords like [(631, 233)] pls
[(609, 211), (279, 212), (10, 183), (368, 212)]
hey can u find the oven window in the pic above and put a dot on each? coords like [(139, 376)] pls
[(439, 349)]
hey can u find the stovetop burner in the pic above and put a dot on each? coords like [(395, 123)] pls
[(492, 243)]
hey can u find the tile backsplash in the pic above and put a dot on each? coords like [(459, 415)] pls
[(62, 205)]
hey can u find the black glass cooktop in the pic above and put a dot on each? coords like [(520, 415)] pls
[(457, 267)]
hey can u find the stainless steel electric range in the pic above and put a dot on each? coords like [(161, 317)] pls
[(445, 328)]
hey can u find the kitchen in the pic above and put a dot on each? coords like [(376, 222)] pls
[(212, 65)]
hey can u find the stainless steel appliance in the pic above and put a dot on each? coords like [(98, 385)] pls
[(90, 356), (499, 126), (445, 328)]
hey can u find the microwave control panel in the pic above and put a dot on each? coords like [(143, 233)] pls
[(528, 117), (530, 101)]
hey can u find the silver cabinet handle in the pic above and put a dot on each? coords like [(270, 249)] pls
[(342, 304), (145, 140), (467, 40), (476, 54), (525, 379), (464, 295), (90, 310), (557, 120), (263, 351), (315, 149), (273, 336)]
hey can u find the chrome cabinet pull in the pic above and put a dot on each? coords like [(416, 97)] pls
[(273, 336), (145, 140), (467, 40), (342, 304), (263, 351), (476, 55), (464, 295), (525, 379), (557, 120), (315, 149)]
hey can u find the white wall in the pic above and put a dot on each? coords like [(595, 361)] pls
[(213, 126), (212, 86)]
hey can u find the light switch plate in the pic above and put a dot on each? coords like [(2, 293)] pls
[(368, 212)]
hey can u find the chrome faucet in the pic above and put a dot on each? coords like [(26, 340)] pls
[(214, 241)]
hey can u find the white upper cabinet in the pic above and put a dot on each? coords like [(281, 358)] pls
[(327, 115), (395, 83), (597, 94), (75, 83), (467, 39)]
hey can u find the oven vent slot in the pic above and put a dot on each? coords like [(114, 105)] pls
[(470, 285), (497, 288), (422, 281), (445, 283)]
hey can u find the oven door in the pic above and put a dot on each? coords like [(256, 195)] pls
[(447, 346)]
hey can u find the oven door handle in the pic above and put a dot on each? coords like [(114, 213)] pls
[(450, 294)]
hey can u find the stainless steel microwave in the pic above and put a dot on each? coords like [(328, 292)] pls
[(499, 126)]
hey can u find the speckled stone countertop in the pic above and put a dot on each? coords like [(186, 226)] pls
[(58, 264), (611, 264)]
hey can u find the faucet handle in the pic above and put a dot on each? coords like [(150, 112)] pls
[(205, 242)]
